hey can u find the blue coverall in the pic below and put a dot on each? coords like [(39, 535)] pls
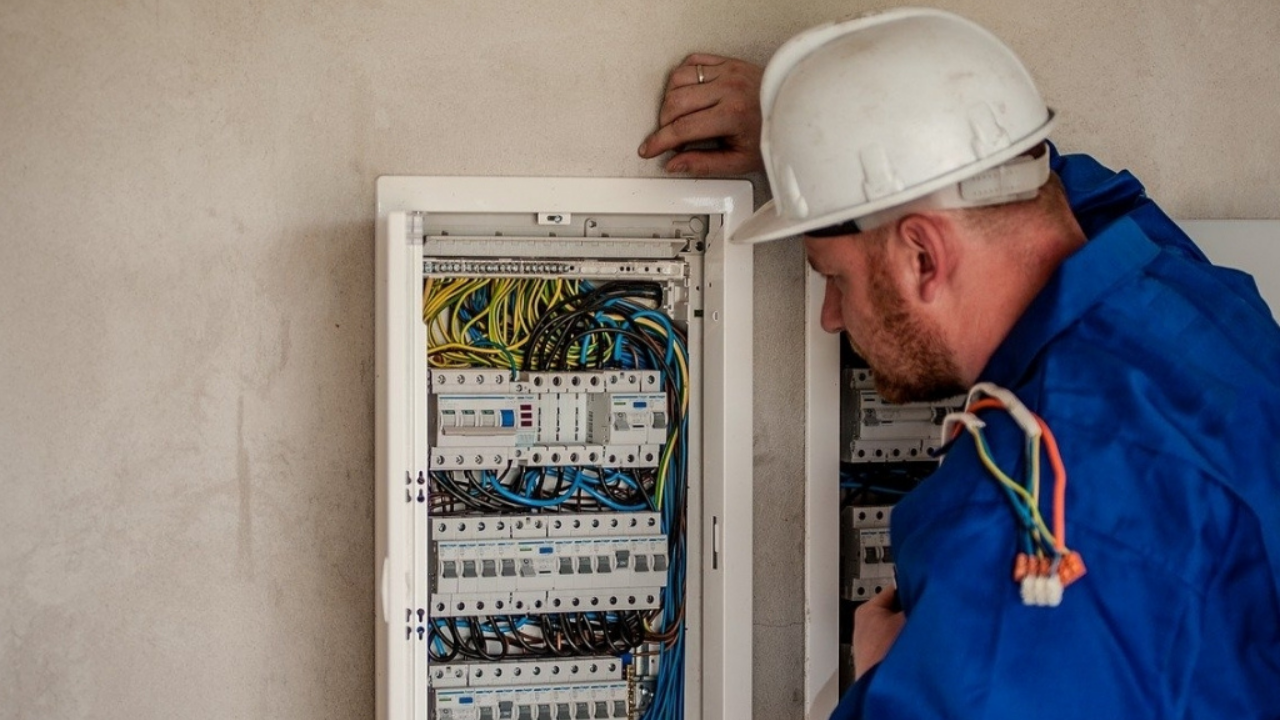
[(1160, 376)]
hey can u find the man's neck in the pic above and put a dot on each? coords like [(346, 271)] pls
[(1003, 286)]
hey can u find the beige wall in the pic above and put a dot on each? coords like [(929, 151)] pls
[(186, 292)]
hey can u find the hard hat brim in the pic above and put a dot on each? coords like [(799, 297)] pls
[(768, 224)]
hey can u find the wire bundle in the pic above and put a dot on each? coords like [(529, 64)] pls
[(880, 483), (485, 322), (515, 490), (537, 325), (506, 637), (1044, 566)]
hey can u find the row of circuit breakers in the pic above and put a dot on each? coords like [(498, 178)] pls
[(879, 435), (563, 562), (547, 563), (485, 419)]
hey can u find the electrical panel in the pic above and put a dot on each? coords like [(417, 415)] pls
[(564, 465), (885, 450)]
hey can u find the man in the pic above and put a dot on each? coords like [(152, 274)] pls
[(910, 149)]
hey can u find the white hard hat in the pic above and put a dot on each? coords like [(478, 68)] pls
[(868, 115)]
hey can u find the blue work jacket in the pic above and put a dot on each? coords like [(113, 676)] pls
[(1159, 374)]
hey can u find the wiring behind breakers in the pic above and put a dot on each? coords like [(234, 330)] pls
[(531, 329)]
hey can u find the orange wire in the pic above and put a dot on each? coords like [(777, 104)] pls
[(1059, 486), (1055, 461)]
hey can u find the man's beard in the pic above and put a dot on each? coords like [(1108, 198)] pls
[(913, 363)]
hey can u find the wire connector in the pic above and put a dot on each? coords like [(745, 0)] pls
[(1041, 591), (1041, 580), (1071, 568)]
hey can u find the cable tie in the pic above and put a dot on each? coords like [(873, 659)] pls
[(1021, 415), (951, 423)]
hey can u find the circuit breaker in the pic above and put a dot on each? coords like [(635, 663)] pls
[(874, 430), (885, 450), (563, 449)]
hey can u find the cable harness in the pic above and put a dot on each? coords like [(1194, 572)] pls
[(1043, 566)]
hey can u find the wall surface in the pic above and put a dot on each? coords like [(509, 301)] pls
[(186, 292)]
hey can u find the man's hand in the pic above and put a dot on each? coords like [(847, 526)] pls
[(875, 626), (724, 107)]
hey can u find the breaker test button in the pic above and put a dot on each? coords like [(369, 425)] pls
[(507, 418)]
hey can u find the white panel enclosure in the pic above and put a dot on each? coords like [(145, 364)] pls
[(510, 433)]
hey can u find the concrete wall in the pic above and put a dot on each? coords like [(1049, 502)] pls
[(186, 292)]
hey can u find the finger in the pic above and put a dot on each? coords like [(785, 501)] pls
[(694, 127), (686, 100), (705, 163), (687, 76), (704, 59)]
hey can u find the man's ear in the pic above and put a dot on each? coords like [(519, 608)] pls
[(924, 252)]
